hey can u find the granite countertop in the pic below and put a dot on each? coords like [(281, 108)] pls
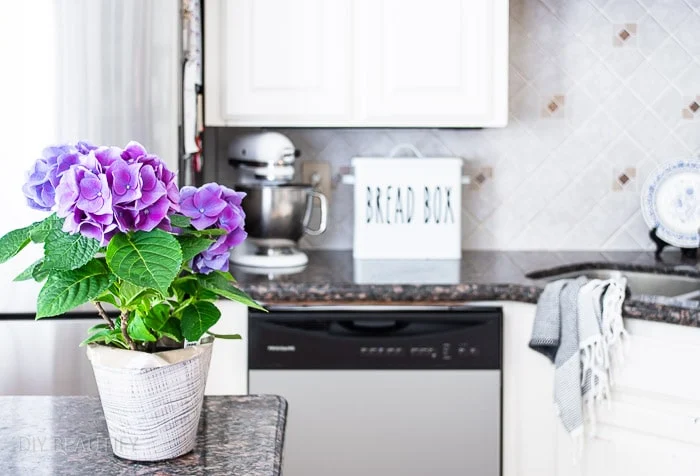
[(68, 435), (333, 277)]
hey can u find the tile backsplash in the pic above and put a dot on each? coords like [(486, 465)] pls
[(601, 92)]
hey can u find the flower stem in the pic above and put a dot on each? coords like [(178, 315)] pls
[(124, 315), (103, 314)]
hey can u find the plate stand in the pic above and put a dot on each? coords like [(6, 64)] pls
[(689, 253)]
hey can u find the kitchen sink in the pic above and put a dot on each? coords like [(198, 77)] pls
[(644, 284)]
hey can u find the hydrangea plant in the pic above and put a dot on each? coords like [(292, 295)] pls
[(121, 232)]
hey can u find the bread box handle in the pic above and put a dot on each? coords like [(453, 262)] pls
[(399, 147), (349, 179)]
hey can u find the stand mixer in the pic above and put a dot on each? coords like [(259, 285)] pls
[(278, 210)]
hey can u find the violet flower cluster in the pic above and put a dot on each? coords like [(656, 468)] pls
[(100, 191), (214, 206)]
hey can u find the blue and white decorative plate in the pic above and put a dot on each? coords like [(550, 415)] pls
[(671, 202)]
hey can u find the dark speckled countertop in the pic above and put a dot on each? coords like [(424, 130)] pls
[(333, 277), (68, 436)]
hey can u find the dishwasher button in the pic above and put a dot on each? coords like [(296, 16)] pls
[(474, 351)]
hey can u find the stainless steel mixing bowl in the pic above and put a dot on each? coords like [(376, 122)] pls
[(281, 211)]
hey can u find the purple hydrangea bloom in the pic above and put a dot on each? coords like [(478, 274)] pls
[(84, 147), (42, 177), (155, 181), (214, 206), (124, 180), (206, 262), (202, 205), (106, 156), (102, 190), (85, 201), (38, 188), (144, 191)]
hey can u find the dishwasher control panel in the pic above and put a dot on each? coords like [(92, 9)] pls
[(468, 339)]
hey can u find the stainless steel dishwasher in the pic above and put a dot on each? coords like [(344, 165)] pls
[(383, 391)]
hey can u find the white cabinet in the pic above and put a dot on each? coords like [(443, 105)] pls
[(652, 426), (228, 372), (431, 62), (283, 60), (363, 63)]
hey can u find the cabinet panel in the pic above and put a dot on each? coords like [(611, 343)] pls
[(652, 426), (284, 61), (431, 62), (361, 63), (228, 372)]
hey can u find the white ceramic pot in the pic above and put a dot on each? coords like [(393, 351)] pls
[(151, 402)]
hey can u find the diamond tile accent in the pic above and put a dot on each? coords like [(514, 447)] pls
[(589, 121), (625, 35), (624, 180)]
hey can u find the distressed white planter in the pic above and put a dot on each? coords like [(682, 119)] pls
[(151, 402)]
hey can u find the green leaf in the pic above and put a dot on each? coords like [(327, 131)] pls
[(65, 290), (107, 297), (179, 221), (157, 316), (108, 337), (218, 284), (132, 294), (63, 251), (208, 232), (225, 275), (39, 273), (40, 230), (205, 294), (193, 245), (101, 336), (197, 318), (226, 336), (171, 329), (138, 330), (98, 327), (151, 259), (29, 272), (13, 242)]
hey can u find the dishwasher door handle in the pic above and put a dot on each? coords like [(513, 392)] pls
[(367, 327)]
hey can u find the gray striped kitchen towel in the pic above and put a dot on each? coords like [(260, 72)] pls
[(555, 335)]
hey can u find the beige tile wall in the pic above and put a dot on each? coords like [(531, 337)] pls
[(600, 93)]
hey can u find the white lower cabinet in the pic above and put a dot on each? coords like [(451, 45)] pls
[(228, 372), (652, 426)]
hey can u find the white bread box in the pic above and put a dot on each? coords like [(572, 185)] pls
[(407, 208)]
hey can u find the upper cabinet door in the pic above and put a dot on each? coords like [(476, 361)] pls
[(356, 63), (283, 61), (432, 63)]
